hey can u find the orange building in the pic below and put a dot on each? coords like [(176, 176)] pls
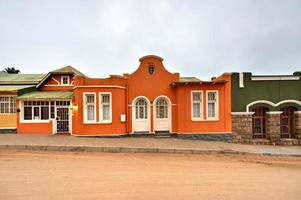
[(150, 100)]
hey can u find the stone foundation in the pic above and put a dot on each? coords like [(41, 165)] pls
[(242, 128), (298, 126), (273, 127)]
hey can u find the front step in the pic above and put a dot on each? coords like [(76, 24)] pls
[(162, 134)]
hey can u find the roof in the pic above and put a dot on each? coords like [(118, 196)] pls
[(47, 95), (194, 80), (151, 56), (15, 79), (64, 70), (189, 80), (13, 88), (68, 70)]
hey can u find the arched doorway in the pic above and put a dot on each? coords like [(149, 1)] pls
[(287, 122), (141, 115), (259, 122), (162, 114)]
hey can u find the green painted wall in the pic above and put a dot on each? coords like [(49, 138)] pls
[(274, 91)]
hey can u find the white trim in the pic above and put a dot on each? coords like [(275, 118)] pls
[(85, 110), (216, 118), (297, 112), (100, 86), (242, 113), (58, 83), (201, 118), (134, 113), (51, 85), (241, 80), (8, 128), (169, 111), (272, 104), (62, 80), (100, 108), (100, 135), (274, 112), (275, 78)]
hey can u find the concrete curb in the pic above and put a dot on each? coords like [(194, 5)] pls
[(116, 149)]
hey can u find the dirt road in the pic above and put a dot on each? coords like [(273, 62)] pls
[(69, 175)]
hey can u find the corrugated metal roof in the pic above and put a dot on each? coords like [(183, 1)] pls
[(47, 95), (13, 88), (6, 78), (189, 80), (68, 69)]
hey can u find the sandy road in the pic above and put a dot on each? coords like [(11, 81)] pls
[(69, 175)]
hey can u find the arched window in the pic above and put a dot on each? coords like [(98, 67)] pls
[(162, 109), (259, 121), (287, 123), (141, 109)]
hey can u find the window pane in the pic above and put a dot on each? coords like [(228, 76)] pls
[(211, 110), (27, 113), (196, 96), (90, 113), (52, 112), (36, 113), (211, 96), (196, 110), (106, 112), (44, 112)]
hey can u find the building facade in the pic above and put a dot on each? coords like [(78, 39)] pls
[(150, 100), (266, 109)]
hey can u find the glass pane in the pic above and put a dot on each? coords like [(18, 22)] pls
[(106, 112), (27, 113), (211, 110), (196, 96), (211, 96), (44, 112), (36, 113), (196, 110), (90, 113)]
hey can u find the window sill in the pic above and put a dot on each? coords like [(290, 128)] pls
[(34, 121)]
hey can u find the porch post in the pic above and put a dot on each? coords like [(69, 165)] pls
[(273, 126)]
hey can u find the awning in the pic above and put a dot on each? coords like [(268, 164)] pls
[(46, 95), (13, 88)]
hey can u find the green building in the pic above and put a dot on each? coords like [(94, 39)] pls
[(266, 109)]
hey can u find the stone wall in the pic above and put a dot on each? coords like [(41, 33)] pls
[(298, 126), (242, 128), (273, 127)]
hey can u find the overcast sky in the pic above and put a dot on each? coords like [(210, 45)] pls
[(196, 38)]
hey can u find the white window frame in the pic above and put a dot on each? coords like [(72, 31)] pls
[(62, 80), (32, 120), (9, 105), (216, 106), (86, 121), (201, 105), (101, 110)]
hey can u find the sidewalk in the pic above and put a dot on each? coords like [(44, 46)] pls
[(142, 144)]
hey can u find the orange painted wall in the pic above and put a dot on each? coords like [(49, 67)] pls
[(51, 84), (222, 125), (33, 128), (141, 83), (118, 107)]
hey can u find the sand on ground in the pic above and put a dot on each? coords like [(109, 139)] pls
[(82, 175)]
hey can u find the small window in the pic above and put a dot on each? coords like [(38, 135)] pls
[(105, 107), (197, 105), (65, 80), (90, 108), (212, 105), (7, 105), (259, 121), (151, 69)]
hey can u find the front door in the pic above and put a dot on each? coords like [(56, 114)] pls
[(162, 115), (62, 119), (141, 116)]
